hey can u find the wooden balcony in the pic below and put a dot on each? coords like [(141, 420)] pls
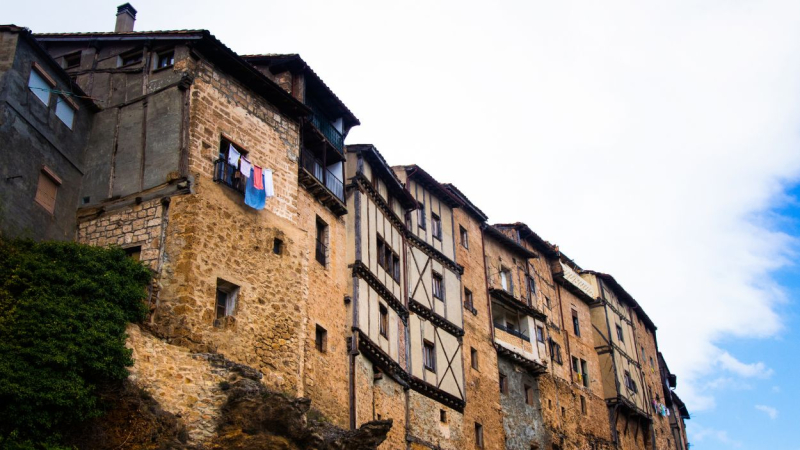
[(322, 184)]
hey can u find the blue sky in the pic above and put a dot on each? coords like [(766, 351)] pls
[(656, 141)]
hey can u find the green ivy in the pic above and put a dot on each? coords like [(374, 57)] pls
[(63, 312)]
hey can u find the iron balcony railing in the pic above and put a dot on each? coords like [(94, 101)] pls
[(314, 166), (228, 175), (322, 249), (325, 127), (512, 332)]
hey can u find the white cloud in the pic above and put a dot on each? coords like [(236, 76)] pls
[(768, 410), (698, 433), (728, 383), (776, 389), (731, 364)]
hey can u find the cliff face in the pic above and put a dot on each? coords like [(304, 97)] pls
[(175, 399)]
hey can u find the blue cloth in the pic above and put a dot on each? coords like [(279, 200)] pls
[(255, 198)]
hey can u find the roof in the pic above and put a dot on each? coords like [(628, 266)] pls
[(624, 296), (468, 205), (681, 406), (379, 165), (76, 90), (422, 177), (280, 62), (211, 47), (508, 242), (534, 239)]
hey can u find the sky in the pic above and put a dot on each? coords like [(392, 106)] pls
[(656, 141)]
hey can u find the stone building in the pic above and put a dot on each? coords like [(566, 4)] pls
[(45, 119), (674, 408)]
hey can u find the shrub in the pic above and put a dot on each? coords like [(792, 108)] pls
[(63, 312)]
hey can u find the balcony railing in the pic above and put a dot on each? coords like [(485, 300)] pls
[(326, 127), (314, 166), (321, 252), (512, 332), (228, 175)]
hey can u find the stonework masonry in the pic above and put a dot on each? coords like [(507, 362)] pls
[(374, 291)]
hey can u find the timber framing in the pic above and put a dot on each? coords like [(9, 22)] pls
[(437, 394), (437, 320), (508, 300), (381, 359), (433, 253), (534, 367), (361, 270), (362, 183), (566, 284), (627, 407)]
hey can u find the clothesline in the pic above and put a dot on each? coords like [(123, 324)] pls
[(259, 184)]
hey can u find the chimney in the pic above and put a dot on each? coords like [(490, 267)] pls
[(126, 16)]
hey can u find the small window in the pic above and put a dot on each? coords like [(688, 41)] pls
[(503, 384), (629, 383), (531, 286), (72, 60), (555, 351), (652, 364), (438, 286), (65, 111), (549, 403), (540, 334), (643, 357), (619, 334), (321, 242), (396, 267), (436, 226), (505, 280), (421, 215), (388, 260), (585, 373), (47, 190), (429, 355), (381, 248), (583, 405), (473, 357), (226, 300), (462, 232), (129, 59), (384, 325), (528, 395), (576, 326), (547, 301), (134, 253), (277, 246), (563, 412), (321, 339), (40, 85), (576, 366), (165, 59), (478, 435), (442, 416), (468, 299)]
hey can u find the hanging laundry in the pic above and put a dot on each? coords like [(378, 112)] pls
[(255, 197), (269, 189), (245, 166), (233, 156)]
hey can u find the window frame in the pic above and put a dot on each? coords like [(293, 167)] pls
[(437, 285), (528, 393), (72, 108), (159, 56), (136, 53), (503, 383), (230, 292), (321, 239), (620, 333), (46, 79), (383, 311), (47, 175), (429, 355), (540, 333), (464, 236), (474, 359), (69, 57), (321, 339), (421, 216), (436, 226), (576, 324)]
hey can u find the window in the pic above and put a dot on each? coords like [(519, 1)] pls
[(72, 60), (547, 301), (429, 355), (643, 357), (528, 395), (469, 301), (478, 435), (473, 357), (555, 351), (47, 190), (563, 412), (321, 339), (576, 367), (134, 253), (505, 280), (585, 373), (583, 405), (576, 326), (396, 267), (381, 252), (652, 364), (438, 286), (531, 286), (165, 59), (321, 242), (540, 334), (65, 111), (462, 232), (226, 300), (436, 226), (503, 384), (629, 383), (384, 321), (130, 58), (226, 169), (442, 416), (421, 215), (619, 334), (277, 246), (40, 84)]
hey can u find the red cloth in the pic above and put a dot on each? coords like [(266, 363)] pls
[(258, 178)]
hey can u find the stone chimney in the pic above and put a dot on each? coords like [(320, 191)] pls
[(126, 16)]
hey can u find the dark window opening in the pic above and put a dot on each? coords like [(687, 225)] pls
[(277, 246), (226, 170), (576, 326), (129, 59), (321, 339), (555, 351), (421, 215), (583, 405), (473, 356), (462, 232), (134, 253), (468, 299), (528, 395), (165, 59), (225, 300), (540, 334), (384, 325), (442, 416), (585, 373), (436, 226), (478, 435), (72, 60), (396, 267), (429, 355), (503, 384), (438, 286), (321, 249), (619, 334)]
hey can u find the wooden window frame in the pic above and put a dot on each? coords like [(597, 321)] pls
[(421, 216), (474, 359), (436, 226), (229, 292), (528, 392), (46, 174), (478, 435), (437, 289), (464, 236), (540, 333), (429, 355), (503, 383), (576, 324), (321, 339), (384, 320)]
